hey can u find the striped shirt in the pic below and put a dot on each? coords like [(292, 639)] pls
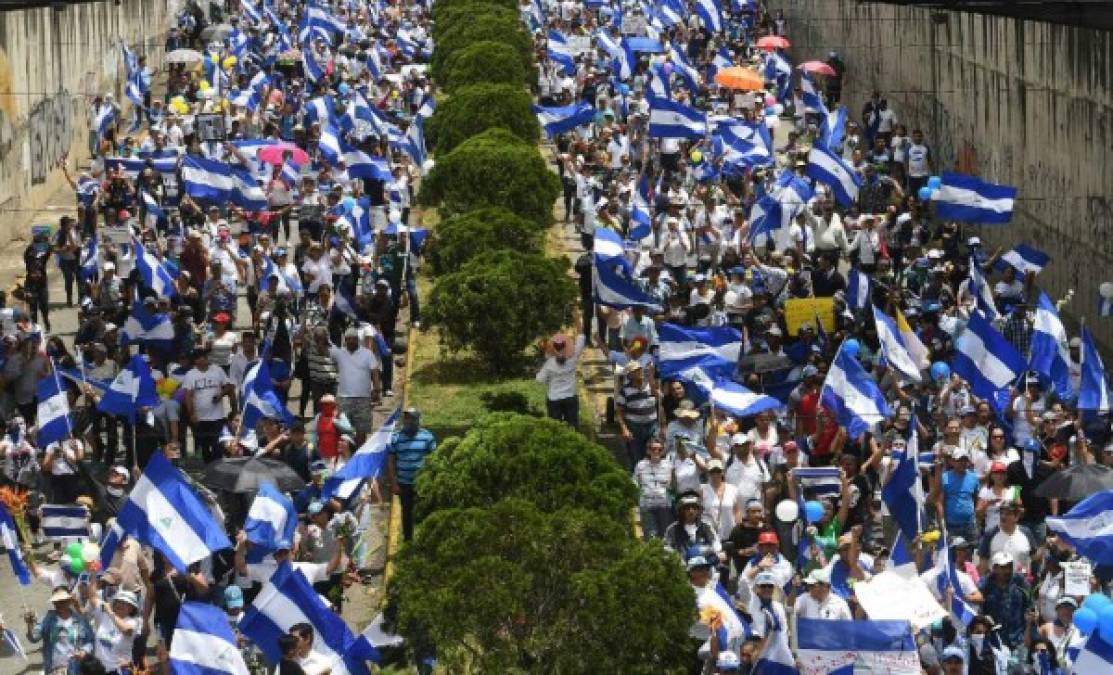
[(409, 451), (638, 404)]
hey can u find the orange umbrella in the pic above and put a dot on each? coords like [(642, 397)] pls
[(772, 42), (737, 77)]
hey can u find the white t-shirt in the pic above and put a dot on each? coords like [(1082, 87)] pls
[(207, 386), (113, 646), (720, 510), (1022, 431), (832, 608), (66, 462), (748, 475), (354, 371)]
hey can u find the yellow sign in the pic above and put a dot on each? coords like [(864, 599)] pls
[(802, 311)]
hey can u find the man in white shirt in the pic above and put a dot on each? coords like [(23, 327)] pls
[(205, 387), (1010, 538), (819, 602), (261, 572), (558, 374), (357, 382)]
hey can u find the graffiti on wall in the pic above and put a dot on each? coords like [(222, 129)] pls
[(50, 130)]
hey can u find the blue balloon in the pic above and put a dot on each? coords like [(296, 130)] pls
[(1085, 620), (1105, 623), (813, 512), (940, 371), (1096, 601), (343, 88), (851, 347), (623, 88), (935, 182), (349, 204), (925, 193), (770, 111)]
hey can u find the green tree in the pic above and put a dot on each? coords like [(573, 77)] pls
[(539, 459), (441, 7), (460, 238), (493, 26), (494, 168), (498, 304), (450, 18), (505, 590), (474, 109), (484, 61)]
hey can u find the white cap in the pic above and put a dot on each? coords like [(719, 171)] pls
[(739, 439), (1001, 558), (960, 453)]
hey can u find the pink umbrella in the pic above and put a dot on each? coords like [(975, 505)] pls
[(816, 67), (276, 154), (772, 42)]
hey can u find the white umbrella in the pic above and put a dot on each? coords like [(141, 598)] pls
[(183, 56)]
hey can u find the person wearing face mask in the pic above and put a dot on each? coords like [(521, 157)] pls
[(115, 494), (985, 655), (558, 374)]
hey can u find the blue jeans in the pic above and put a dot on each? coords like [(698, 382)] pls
[(642, 434), (654, 520)]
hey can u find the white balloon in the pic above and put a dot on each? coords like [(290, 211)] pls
[(778, 108), (787, 511), (1106, 289)]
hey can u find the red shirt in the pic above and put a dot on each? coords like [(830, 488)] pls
[(806, 412), (328, 445)]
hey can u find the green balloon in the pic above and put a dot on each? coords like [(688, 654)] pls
[(77, 565), (74, 550)]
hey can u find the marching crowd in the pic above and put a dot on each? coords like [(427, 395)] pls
[(792, 386)]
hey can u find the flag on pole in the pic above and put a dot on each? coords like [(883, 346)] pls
[(1049, 354), (682, 347), (973, 200), (1024, 259), (1093, 389), (828, 168), (558, 120), (271, 520), (53, 413), (986, 360), (1089, 527), (904, 492), (9, 537), (896, 353), (365, 464), (260, 399), (64, 521), (854, 397), (133, 388), (204, 643)]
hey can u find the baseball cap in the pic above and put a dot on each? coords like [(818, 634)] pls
[(696, 562), (690, 499), (819, 575), (960, 453), (1002, 558), (740, 439), (1067, 600), (765, 579), (715, 464), (233, 597), (768, 538), (998, 467)]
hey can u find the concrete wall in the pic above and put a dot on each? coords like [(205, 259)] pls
[(51, 64), (1018, 102)]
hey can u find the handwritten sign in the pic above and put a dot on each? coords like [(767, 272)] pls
[(799, 311), (1076, 578), (917, 605)]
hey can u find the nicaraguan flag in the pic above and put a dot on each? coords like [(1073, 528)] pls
[(362, 165), (104, 120), (89, 258), (843, 647), (986, 360), (744, 143), (833, 129), (622, 58), (155, 276), (322, 18), (777, 658), (613, 289), (641, 217), (9, 537), (152, 206), (828, 168), (132, 389), (983, 294), (948, 578), (684, 70), (765, 217), (53, 414), (973, 200), (113, 537), (854, 397), (892, 346), (607, 246), (809, 94), (1050, 353), (720, 61), (314, 71), (13, 641), (681, 347), (259, 397), (365, 464), (779, 70), (657, 87), (207, 179), (163, 511), (413, 145), (250, 11), (204, 643), (288, 599), (64, 521), (857, 290), (821, 481), (556, 121), (735, 627), (560, 52), (711, 13), (1095, 656), (1024, 259), (903, 494), (1089, 527), (155, 331), (1093, 389), (731, 397), (703, 379), (271, 520), (669, 119)]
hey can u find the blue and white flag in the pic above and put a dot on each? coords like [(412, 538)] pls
[(250, 11), (113, 537), (1049, 356), (556, 121), (560, 52), (777, 659), (657, 85), (314, 72), (986, 360), (53, 414), (809, 94), (204, 643), (733, 398), (904, 492), (828, 168), (151, 270), (271, 520), (983, 294), (641, 215), (607, 246), (948, 578), (367, 463), (766, 217), (616, 290), (841, 647), (973, 200), (777, 69), (155, 331), (1024, 259), (288, 599), (744, 143), (9, 537), (711, 13), (833, 129), (857, 290), (681, 347), (13, 641), (1088, 527), (163, 511), (259, 398), (104, 120), (1095, 656), (133, 388), (1093, 388), (820, 481), (64, 521), (854, 397), (669, 119), (897, 354), (151, 206), (684, 70)]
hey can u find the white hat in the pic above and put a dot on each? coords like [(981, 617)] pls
[(740, 439), (960, 453), (1002, 558)]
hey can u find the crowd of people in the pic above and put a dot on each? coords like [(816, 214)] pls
[(280, 161)]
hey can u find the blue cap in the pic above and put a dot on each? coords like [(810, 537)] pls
[(1032, 445), (316, 507), (953, 652), (233, 597)]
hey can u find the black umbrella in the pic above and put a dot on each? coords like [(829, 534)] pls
[(246, 474), (1076, 483)]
